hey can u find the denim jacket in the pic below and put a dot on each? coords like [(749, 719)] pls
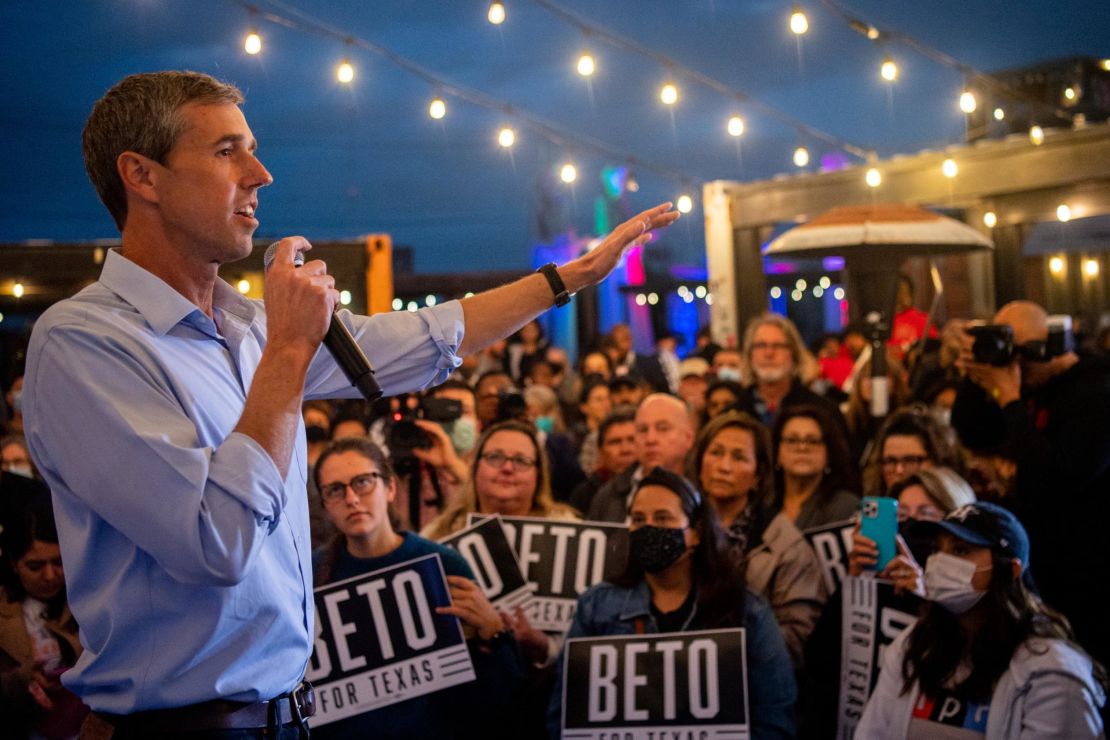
[(606, 609)]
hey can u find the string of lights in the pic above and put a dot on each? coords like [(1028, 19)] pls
[(506, 136), (669, 92)]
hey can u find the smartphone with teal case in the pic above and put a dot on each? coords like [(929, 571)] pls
[(880, 524)]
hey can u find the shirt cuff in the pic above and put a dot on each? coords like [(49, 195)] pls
[(247, 473)]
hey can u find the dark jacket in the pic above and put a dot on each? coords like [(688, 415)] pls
[(610, 503), (797, 396)]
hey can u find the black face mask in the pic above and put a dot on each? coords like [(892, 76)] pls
[(919, 537), (656, 548), (316, 433)]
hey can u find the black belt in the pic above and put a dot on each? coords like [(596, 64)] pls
[(219, 714)]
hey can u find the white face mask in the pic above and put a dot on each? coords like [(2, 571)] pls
[(729, 373), (948, 582)]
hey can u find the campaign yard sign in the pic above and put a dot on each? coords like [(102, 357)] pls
[(873, 615), (682, 685), (832, 543), (486, 548), (379, 640), (561, 559)]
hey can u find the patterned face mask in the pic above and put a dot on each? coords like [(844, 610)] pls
[(656, 548)]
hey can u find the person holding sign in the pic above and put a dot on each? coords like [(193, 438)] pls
[(987, 658), (357, 485), (683, 576), (731, 460)]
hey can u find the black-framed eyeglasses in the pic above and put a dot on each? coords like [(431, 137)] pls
[(497, 459), (803, 441), (362, 485), (906, 461)]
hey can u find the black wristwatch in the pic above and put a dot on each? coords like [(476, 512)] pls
[(558, 287)]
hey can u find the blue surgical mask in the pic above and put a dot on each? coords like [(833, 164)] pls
[(17, 401), (463, 433), (545, 424)]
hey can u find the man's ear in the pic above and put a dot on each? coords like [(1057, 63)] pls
[(139, 175)]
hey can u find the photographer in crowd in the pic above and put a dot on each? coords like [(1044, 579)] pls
[(1027, 393)]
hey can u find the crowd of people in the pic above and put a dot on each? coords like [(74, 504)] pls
[(719, 463)]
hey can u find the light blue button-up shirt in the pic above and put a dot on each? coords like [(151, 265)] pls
[(187, 557)]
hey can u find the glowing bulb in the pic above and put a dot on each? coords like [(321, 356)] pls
[(776, 292), (244, 286), (838, 294), (700, 291), (1056, 265), (345, 297), (496, 14), (872, 33), (398, 304), (653, 298), (736, 126), (801, 156), (252, 44), (17, 290), (412, 306), (641, 299), (683, 291), (796, 295), (430, 300), (438, 109), (568, 173), (999, 114), (818, 291), (345, 72), (968, 103), (684, 204), (506, 137), (950, 168), (1063, 213), (586, 65), (1090, 268), (688, 298), (799, 24), (874, 178), (709, 299), (800, 284), (668, 94), (1069, 93), (990, 219), (824, 282), (1, 317), (1036, 135), (1105, 64), (889, 70)]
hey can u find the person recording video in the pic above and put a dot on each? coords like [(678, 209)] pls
[(164, 411)]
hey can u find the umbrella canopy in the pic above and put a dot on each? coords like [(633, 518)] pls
[(845, 230)]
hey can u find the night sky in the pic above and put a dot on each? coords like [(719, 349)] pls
[(362, 158)]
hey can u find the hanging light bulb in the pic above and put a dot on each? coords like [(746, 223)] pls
[(799, 24), (569, 173), (345, 297), (1063, 213), (889, 70), (506, 137), (586, 65), (874, 178), (1036, 135), (17, 290), (668, 94), (252, 44), (1056, 265), (244, 286), (990, 219), (950, 168), (1090, 267), (801, 157), (438, 109), (345, 72), (872, 33), (1070, 94), (496, 13), (684, 204), (968, 103), (736, 126), (999, 114)]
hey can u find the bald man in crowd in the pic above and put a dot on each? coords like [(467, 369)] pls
[(1049, 410), (664, 434)]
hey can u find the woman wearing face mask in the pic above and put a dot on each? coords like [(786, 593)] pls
[(731, 461), (38, 635), (14, 457), (682, 575), (987, 658)]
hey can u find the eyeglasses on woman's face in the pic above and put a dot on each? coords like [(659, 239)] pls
[(362, 485), (496, 459)]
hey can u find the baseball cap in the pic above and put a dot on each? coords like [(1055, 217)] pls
[(989, 525)]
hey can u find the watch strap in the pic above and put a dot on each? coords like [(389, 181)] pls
[(558, 287)]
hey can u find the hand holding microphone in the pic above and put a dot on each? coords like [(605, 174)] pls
[(338, 340)]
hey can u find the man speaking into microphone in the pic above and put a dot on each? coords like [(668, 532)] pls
[(163, 409)]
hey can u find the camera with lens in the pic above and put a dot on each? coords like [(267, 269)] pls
[(405, 436), (993, 344)]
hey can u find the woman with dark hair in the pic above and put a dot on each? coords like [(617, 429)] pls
[(38, 635), (594, 404), (731, 461), (814, 474), (357, 486), (526, 345), (985, 644), (909, 440), (682, 575)]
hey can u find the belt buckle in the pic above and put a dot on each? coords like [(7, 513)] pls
[(302, 700)]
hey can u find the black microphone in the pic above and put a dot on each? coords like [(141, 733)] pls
[(343, 347)]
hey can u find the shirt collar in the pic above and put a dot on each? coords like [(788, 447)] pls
[(637, 602), (158, 303)]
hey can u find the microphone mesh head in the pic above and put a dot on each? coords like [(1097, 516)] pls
[(271, 252)]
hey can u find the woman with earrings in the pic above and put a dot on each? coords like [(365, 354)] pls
[(814, 474), (731, 461), (987, 658), (682, 575)]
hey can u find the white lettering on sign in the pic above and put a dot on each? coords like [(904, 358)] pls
[(950, 708), (668, 649), (704, 702), (525, 554), (339, 631), (408, 588), (632, 681), (473, 548), (372, 591), (561, 535), (590, 567), (602, 705)]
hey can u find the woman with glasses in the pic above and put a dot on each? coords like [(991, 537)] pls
[(814, 475), (731, 461), (911, 439), (683, 575), (357, 485)]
